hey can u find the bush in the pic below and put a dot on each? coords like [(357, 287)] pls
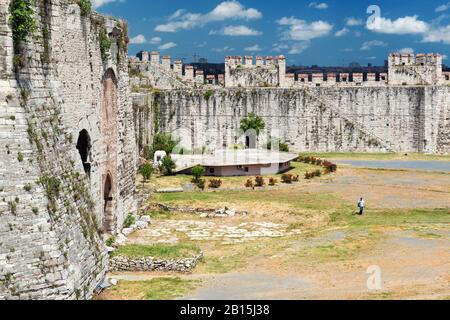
[(318, 173), (249, 183), (308, 176), (296, 178), (110, 242), (286, 178), (20, 157), (215, 183), (259, 181), (273, 182), (85, 6), (146, 171), (22, 20), (208, 94), (329, 167), (201, 184), (167, 166), (283, 147), (129, 221), (198, 172)]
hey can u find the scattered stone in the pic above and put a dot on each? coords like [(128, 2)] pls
[(141, 225), (127, 231), (110, 249), (145, 219), (121, 240)]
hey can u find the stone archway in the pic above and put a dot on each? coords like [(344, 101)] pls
[(108, 205), (110, 141), (84, 147)]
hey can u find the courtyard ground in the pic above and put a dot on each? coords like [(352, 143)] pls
[(305, 241)]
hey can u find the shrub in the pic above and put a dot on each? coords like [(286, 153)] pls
[(21, 19), (167, 166), (208, 94), (308, 176), (259, 181), (318, 173), (198, 172), (20, 157), (283, 147), (215, 183), (129, 221), (273, 182), (146, 171), (296, 178), (249, 183), (286, 178), (12, 118), (85, 6), (27, 187), (110, 242), (329, 167), (105, 44), (201, 184)]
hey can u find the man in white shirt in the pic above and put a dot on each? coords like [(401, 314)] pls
[(361, 206)]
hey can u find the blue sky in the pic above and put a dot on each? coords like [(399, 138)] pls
[(331, 32)]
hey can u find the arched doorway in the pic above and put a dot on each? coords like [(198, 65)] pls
[(84, 148), (108, 205)]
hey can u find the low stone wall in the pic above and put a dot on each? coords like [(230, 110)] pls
[(186, 265)]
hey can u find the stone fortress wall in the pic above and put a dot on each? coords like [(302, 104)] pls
[(404, 69), (67, 150), (406, 110)]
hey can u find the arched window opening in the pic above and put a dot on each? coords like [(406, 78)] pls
[(84, 148)]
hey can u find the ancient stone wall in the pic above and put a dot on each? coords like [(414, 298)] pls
[(402, 119), (67, 151)]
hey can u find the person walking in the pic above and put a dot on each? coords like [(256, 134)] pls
[(361, 206)]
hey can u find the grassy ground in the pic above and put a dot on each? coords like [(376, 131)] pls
[(161, 182), (165, 288), (377, 156), (136, 251), (334, 241)]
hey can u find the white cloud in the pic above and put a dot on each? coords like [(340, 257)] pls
[(406, 50), (299, 47), (167, 46), (139, 39), (404, 25), (443, 7), (368, 45), (279, 47), (255, 48), (98, 3), (303, 30), (441, 34), (155, 40), (236, 31), (352, 22), (224, 49), (320, 6), (342, 32), (227, 10)]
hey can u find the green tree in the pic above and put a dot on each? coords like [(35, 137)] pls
[(167, 165), (164, 142), (253, 122), (146, 171), (198, 172)]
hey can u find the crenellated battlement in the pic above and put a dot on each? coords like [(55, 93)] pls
[(270, 71)]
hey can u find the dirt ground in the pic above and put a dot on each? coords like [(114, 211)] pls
[(403, 234)]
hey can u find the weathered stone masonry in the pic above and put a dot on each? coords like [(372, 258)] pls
[(394, 118), (67, 152)]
